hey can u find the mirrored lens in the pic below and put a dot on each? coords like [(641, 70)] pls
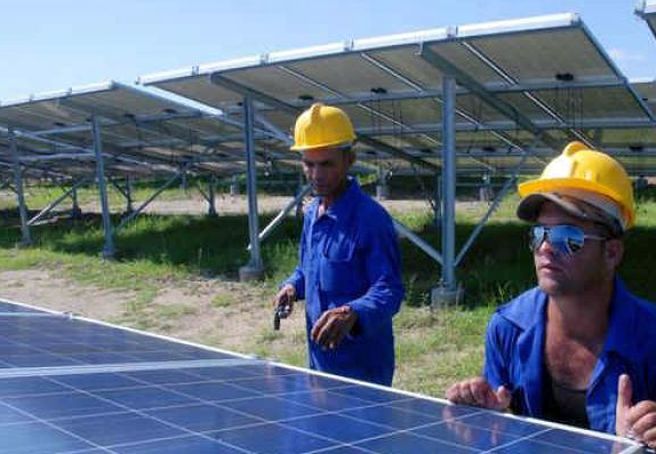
[(564, 239), (535, 237)]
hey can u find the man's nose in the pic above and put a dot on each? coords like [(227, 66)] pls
[(544, 244), (546, 248)]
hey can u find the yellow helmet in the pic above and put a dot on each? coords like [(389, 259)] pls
[(580, 170), (322, 126)]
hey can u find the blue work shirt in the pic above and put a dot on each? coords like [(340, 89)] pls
[(514, 354), (350, 256)]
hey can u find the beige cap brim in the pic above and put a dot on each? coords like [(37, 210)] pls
[(587, 210)]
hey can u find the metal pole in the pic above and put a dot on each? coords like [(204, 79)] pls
[(381, 185), (437, 207), (18, 183), (183, 181), (211, 196), (108, 248), (254, 268), (448, 292), (76, 212), (448, 181), (128, 195)]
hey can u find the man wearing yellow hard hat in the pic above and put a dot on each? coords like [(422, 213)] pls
[(349, 267), (578, 348)]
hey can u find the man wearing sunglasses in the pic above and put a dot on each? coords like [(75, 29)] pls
[(578, 348)]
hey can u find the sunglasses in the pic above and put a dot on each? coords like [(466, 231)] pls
[(565, 239)]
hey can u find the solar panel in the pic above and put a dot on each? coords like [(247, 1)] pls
[(647, 9), (73, 385), (55, 126)]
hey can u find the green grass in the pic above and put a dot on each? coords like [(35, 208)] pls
[(436, 348), (433, 348), (223, 300)]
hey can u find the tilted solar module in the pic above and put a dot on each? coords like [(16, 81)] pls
[(72, 385)]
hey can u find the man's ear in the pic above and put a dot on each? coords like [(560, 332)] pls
[(350, 157), (614, 251)]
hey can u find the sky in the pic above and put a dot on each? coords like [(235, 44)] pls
[(48, 45)]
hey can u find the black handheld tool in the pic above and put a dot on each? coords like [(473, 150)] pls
[(279, 313), (276, 319)]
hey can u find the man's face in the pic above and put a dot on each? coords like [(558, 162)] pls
[(326, 170), (560, 274)]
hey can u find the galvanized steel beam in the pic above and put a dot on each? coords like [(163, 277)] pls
[(26, 238), (108, 248)]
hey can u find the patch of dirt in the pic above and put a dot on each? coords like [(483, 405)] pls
[(238, 204), (195, 204), (44, 289), (228, 315)]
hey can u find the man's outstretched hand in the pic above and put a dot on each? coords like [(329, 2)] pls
[(478, 392), (333, 326), (634, 421)]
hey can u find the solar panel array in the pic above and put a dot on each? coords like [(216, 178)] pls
[(75, 386), (532, 84), (143, 134), (523, 84)]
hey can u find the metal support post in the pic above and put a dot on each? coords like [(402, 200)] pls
[(76, 211), (183, 181), (108, 248), (447, 292), (254, 269), (128, 195), (437, 206), (26, 238), (211, 196), (382, 190), (234, 186), (485, 190)]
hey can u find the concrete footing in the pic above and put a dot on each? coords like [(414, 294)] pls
[(250, 273)]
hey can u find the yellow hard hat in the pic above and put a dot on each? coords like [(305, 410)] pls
[(322, 126), (580, 170)]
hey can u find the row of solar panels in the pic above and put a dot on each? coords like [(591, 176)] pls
[(530, 84)]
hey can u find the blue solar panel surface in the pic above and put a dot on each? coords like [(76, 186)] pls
[(72, 386)]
